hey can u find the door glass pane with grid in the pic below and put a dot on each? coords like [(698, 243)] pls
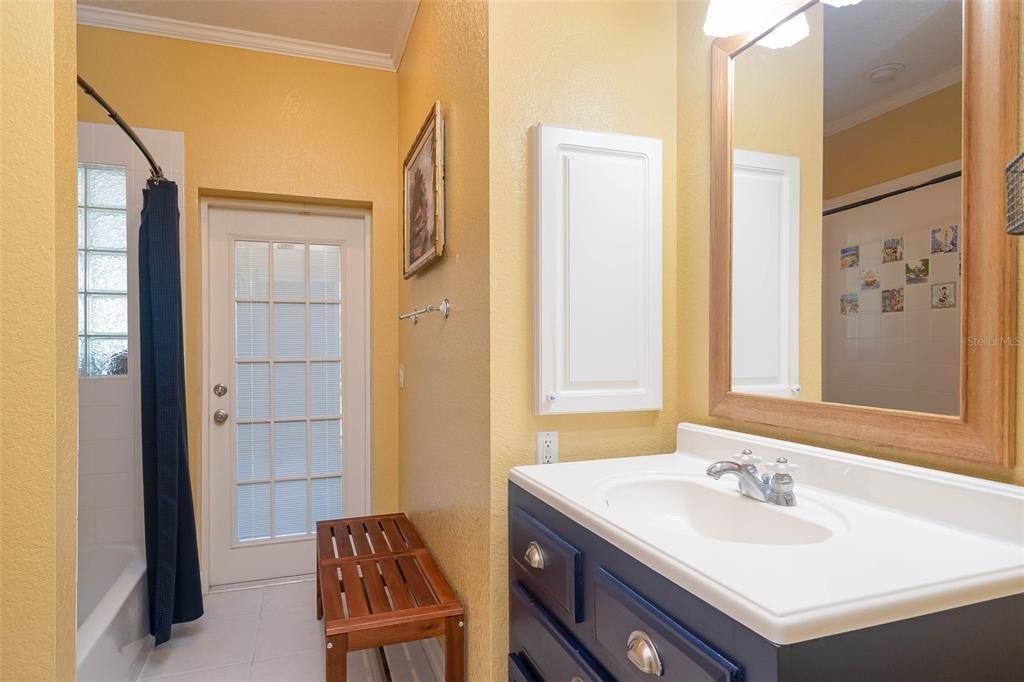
[(293, 306), (288, 387)]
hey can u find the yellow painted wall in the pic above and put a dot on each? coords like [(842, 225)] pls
[(275, 126), (693, 258), (38, 364), (594, 65), (778, 98), (922, 134), (444, 431)]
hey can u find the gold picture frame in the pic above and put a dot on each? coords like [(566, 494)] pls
[(423, 233)]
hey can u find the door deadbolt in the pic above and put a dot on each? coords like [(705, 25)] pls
[(220, 416), (220, 390)]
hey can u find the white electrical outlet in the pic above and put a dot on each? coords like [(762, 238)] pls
[(547, 447)]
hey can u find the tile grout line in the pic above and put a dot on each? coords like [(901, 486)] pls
[(256, 636)]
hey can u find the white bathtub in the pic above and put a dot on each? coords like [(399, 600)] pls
[(113, 628)]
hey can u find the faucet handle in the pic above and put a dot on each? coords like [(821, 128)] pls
[(748, 458), (781, 466)]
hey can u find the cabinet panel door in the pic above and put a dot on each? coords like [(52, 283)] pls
[(598, 284)]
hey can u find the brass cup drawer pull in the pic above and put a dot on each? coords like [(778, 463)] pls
[(641, 652), (534, 556)]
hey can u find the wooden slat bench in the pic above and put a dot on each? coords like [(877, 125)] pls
[(377, 584)]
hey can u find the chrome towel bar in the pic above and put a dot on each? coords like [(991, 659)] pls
[(444, 307)]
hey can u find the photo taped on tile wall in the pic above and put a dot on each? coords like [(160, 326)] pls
[(849, 257), (892, 250), (849, 304), (946, 239), (944, 295), (892, 300), (917, 271), (870, 278)]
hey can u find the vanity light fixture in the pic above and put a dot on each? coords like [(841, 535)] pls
[(732, 17), (788, 34)]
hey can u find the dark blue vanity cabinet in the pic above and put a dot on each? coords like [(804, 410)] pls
[(579, 608)]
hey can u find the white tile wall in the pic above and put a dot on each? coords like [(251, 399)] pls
[(906, 360)]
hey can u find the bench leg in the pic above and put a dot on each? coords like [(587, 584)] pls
[(454, 649), (319, 596), (336, 659)]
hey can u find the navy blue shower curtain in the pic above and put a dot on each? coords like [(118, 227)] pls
[(172, 554)]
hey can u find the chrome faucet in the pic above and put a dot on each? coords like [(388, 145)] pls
[(776, 488)]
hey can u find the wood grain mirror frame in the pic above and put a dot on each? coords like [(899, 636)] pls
[(984, 430)]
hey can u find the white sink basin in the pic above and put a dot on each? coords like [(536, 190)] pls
[(868, 542), (712, 510)]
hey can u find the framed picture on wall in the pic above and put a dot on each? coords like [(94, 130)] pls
[(423, 209)]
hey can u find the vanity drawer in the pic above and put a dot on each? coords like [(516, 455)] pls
[(621, 617), (551, 567), (541, 646), (517, 671)]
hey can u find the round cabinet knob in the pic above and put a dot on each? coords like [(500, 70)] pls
[(534, 556), (220, 416), (781, 466), (747, 457), (641, 652)]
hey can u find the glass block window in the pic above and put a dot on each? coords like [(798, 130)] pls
[(102, 270)]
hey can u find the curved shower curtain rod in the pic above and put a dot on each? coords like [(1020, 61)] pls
[(156, 174)]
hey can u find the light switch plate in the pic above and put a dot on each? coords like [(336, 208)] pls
[(547, 447)]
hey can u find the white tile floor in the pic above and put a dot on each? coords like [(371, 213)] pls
[(271, 633)]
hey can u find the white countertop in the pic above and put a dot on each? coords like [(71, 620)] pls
[(906, 541)]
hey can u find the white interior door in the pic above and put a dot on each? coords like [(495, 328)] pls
[(288, 373), (766, 274)]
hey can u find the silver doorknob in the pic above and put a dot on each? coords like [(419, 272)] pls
[(641, 653), (220, 416), (220, 390), (534, 556)]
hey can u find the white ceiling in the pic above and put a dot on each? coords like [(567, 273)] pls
[(925, 35), (367, 31)]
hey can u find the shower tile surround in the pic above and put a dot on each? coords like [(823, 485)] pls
[(111, 636), (109, 482), (907, 359), (272, 633)]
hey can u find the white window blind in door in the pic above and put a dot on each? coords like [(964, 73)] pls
[(288, 385)]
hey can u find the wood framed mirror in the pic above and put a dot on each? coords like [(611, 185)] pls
[(874, 289)]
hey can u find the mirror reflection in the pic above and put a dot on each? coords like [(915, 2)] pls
[(847, 205)]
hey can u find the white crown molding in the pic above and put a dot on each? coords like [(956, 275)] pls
[(404, 31), (927, 87), (248, 40)]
